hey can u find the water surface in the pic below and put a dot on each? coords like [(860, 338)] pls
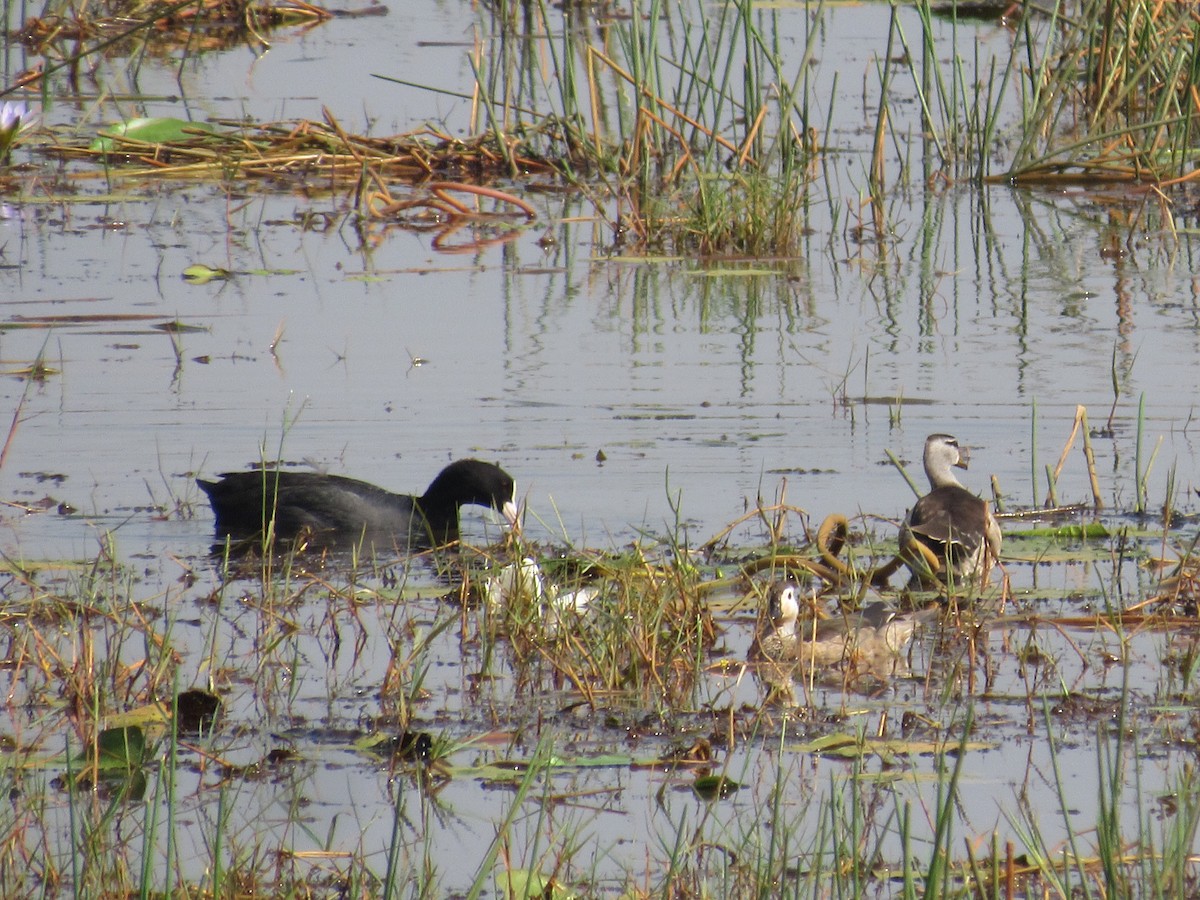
[(701, 384)]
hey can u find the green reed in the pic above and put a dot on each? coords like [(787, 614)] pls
[(845, 843), (1107, 91), (1138, 472)]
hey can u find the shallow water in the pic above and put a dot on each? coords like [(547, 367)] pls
[(703, 385)]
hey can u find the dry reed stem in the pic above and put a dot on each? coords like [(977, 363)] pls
[(757, 512), (303, 150), (594, 99), (1089, 456), (679, 139), (1062, 459), (751, 135), (441, 187), (878, 153), (658, 101), (15, 423)]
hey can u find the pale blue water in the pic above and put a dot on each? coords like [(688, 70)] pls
[(710, 388)]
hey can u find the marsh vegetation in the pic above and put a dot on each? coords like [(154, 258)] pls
[(737, 291)]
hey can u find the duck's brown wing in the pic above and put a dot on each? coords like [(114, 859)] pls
[(954, 525)]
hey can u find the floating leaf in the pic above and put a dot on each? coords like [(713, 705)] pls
[(152, 131), (415, 745), (369, 742), (142, 717), (829, 742), (849, 746), (735, 273), (532, 883), (1090, 530), (715, 787), (35, 370), (1051, 551), (119, 748), (177, 327), (200, 274), (515, 769), (271, 272)]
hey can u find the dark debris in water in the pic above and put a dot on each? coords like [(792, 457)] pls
[(196, 711), (715, 787), (43, 477)]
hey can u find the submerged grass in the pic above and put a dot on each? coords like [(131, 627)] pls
[(636, 661), (710, 145)]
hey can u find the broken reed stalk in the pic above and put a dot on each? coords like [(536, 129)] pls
[(1062, 457), (780, 520), (1090, 457), (759, 512), (39, 366), (15, 423), (668, 107), (381, 203), (1168, 511), (1080, 424)]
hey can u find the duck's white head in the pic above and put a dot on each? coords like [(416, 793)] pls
[(942, 454), (783, 605)]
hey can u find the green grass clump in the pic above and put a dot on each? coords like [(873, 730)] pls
[(1108, 92)]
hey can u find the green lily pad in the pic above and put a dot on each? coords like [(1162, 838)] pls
[(850, 746), (1090, 530), (152, 131), (119, 748), (715, 787), (532, 883), (201, 274)]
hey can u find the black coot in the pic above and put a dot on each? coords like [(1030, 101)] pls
[(338, 509)]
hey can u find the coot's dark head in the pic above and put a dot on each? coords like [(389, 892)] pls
[(468, 481)]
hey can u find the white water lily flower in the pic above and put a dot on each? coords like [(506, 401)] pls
[(15, 117), (11, 114)]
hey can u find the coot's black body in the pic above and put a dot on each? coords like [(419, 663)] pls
[(338, 509)]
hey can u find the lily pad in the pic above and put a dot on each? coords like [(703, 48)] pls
[(202, 274), (850, 746), (715, 787), (119, 748), (532, 883), (1090, 530), (164, 130)]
